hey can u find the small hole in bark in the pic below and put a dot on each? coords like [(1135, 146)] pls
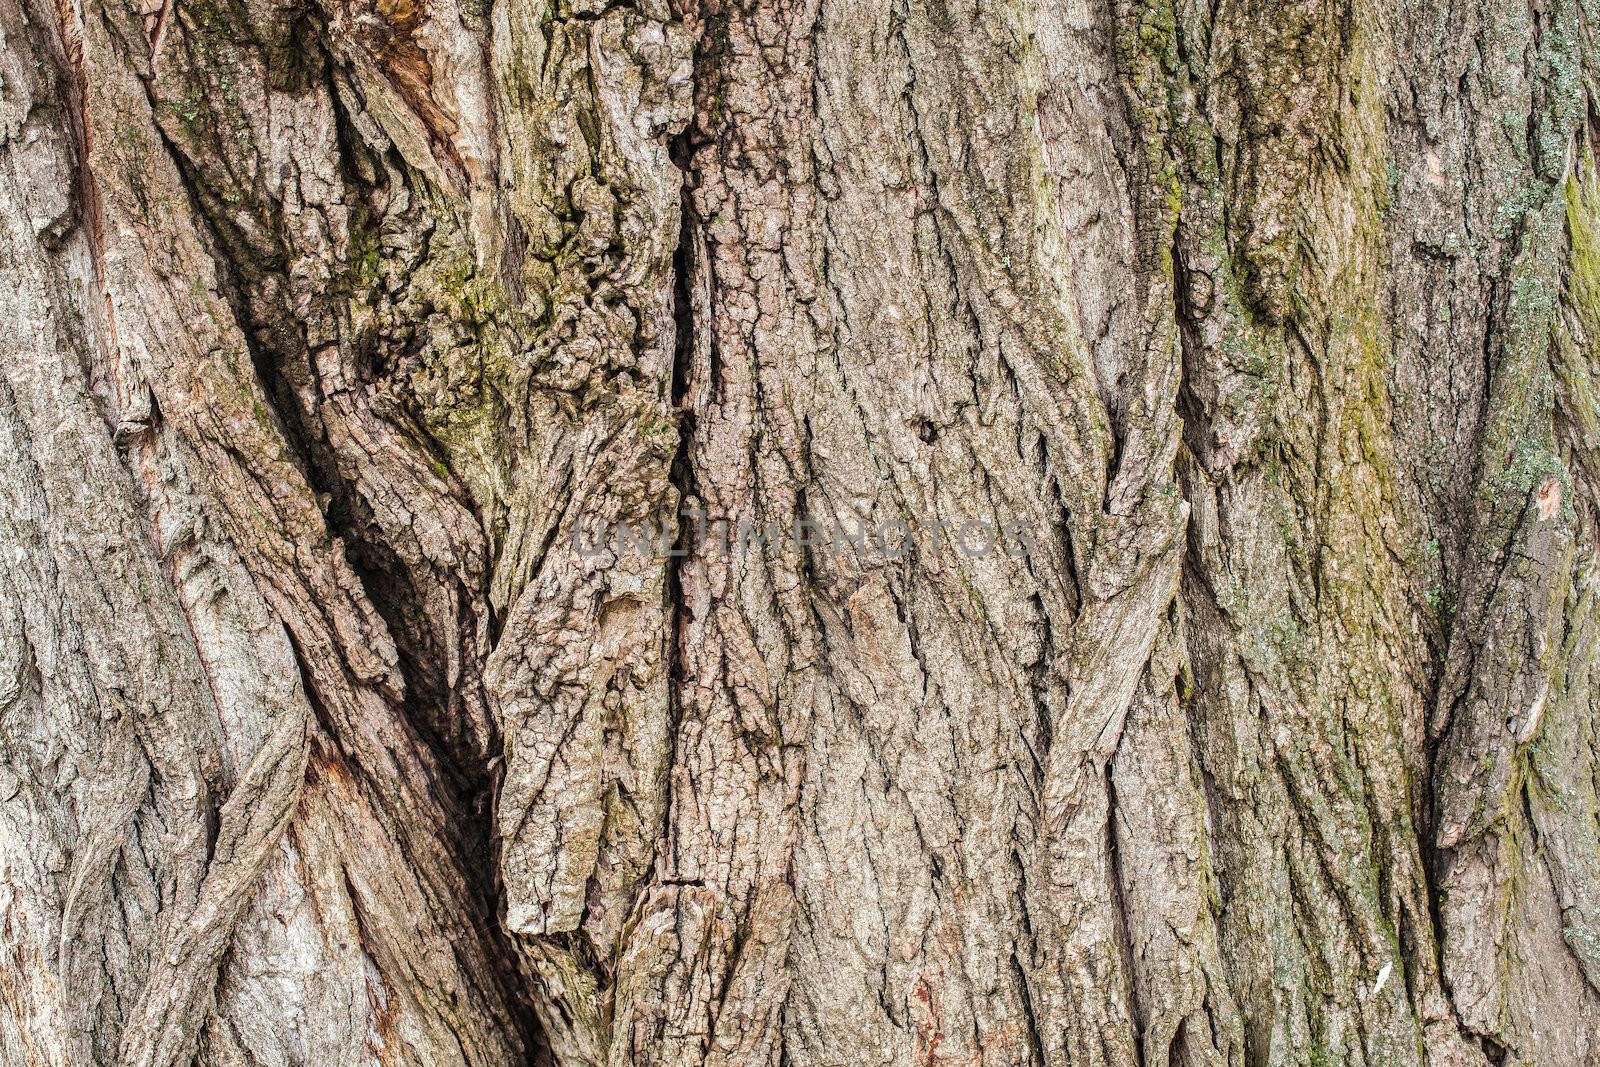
[(928, 432)]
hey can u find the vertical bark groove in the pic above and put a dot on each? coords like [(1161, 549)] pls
[(487, 511)]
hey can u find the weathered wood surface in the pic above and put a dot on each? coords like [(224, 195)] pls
[(328, 326)]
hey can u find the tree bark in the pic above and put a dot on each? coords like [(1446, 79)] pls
[(341, 337)]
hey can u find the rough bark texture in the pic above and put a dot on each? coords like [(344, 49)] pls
[(327, 327)]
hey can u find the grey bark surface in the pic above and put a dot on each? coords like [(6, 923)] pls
[(332, 330)]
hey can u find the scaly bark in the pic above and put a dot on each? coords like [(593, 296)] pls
[(331, 733)]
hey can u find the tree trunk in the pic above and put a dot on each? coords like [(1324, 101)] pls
[(815, 533)]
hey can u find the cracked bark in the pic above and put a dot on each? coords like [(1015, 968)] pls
[(329, 734)]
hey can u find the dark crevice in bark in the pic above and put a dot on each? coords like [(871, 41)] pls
[(386, 581), (65, 48), (680, 470), (1119, 915), (464, 775), (1192, 419), (1036, 1056), (1069, 560), (1438, 721), (1435, 861), (467, 801), (1039, 680), (319, 711)]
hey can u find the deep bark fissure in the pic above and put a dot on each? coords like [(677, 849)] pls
[(1278, 326)]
